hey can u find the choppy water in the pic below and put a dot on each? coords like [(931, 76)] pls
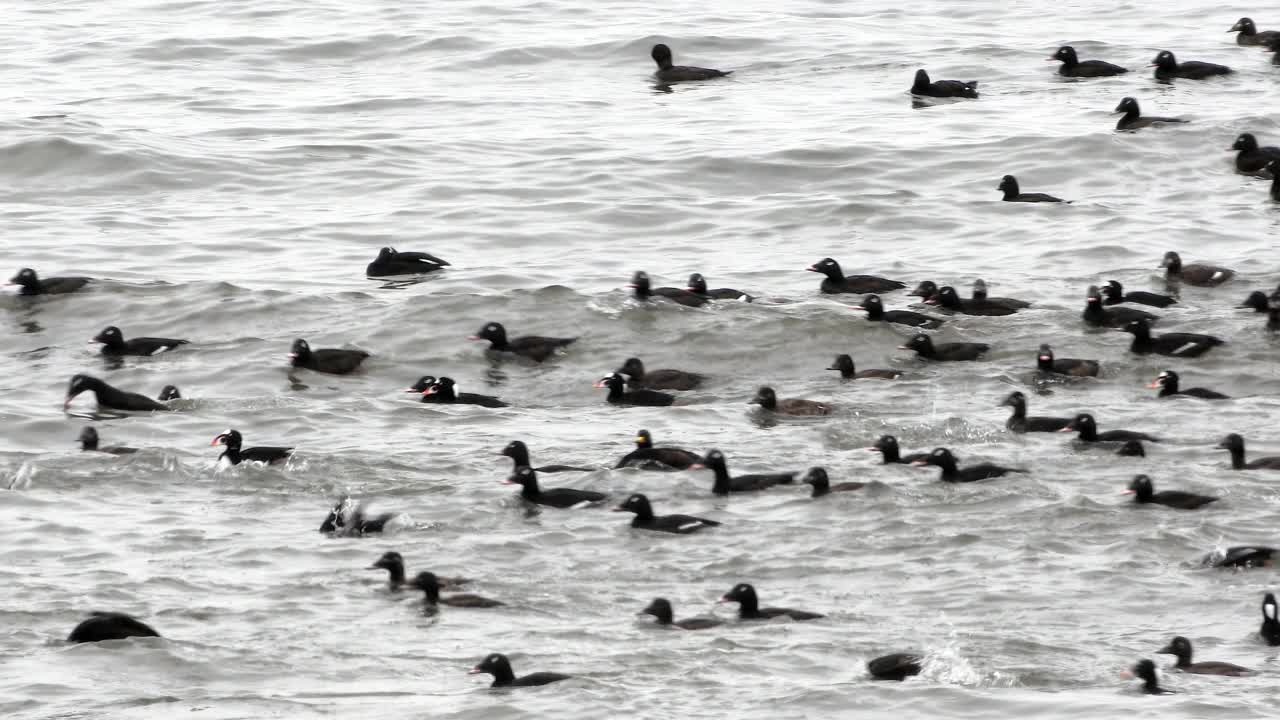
[(228, 169)]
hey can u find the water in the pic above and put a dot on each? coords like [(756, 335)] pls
[(227, 169)]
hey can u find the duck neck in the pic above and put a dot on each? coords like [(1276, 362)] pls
[(874, 312), (396, 570), (615, 392), (1019, 410), (949, 470), (663, 614), (891, 454), (820, 487), (748, 607), (502, 675), (721, 486), (232, 454), (1237, 458)]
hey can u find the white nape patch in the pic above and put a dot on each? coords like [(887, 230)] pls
[(1187, 346)]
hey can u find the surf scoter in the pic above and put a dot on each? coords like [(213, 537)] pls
[(1171, 344), (527, 479), (817, 478), (835, 281), (1167, 383), (108, 396), (519, 454), (30, 284), (326, 360), (1019, 422), (1087, 427), (1073, 67), (1009, 186), (393, 262), (1046, 362), (1181, 648), (101, 626), (619, 396), (534, 347), (89, 442), (848, 371), (442, 391), (234, 454), (429, 584), (1134, 119), (1196, 273), (768, 399), (725, 484), (698, 286), (675, 524), (887, 446), (1234, 444), (749, 606), (660, 608), (669, 73), (499, 667), (956, 351), (1167, 68), (1113, 294), (947, 463), (644, 291), (1144, 493), (874, 308), (921, 85), (648, 457), (665, 379)]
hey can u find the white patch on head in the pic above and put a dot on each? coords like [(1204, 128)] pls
[(491, 328), (1187, 346), (938, 453)]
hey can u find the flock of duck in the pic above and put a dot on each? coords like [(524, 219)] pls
[(1107, 305)]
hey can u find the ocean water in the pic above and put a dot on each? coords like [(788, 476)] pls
[(225, 170)]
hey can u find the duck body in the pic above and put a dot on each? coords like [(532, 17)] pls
[(499, 667), (836, 282), (663, 379), (563, 498), (897, 666), (443, 392), (645, 519), (945, 352), (668, 72), (102, 626), (1073, 367), (725, 483), (108, 396), (921, 85), (1133, 118), (1168, 68), (648, 457), (1144, 494), (533, 347), (952, 473), (1113, 294), (393, 262), (749, 606), (1072, 66), (849, 371), (1170, 344), (620, 396), (235, 454), (1019, 422), (327, 360), (29, 284)]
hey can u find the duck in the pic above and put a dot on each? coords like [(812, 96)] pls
[(1019, 422), (534, 347), (1009, 186), (660, 608), (848, 371), (1257, 302), (519, 454), (648, 457), (725, 484), (393, 262), (1197, 274), (698, 286), (30, 284), (1234, 444), (1167, 383), (1113, 294), (1144, 493), (943, 459), (1253, 159), (499, 667), (665, 379), (948, 299), (925, 290), (874, 308), (393, 563), (1270, 630), (429, 584), (644, 519), (1241, 556), (108, 396), (443, 391), (327, 360), (768, 399), (1087, 428), (1134, 119), (835, 281), (1247, 33), (887, 446), (100, 626), (817, 478), (235, 454), (619, 396), (979, 295), (1075, 367), (1145, 671), (749, 606), (169, 392), (1273, 167), (1185, 345), (921, 85), (957, 351), (897, 666), (1115, 317), (563, 498), (644, 291), (349, 519), (89, 443), (1073, 67), (1167, 68), (1180, 647), (113, 343), (669, 73)]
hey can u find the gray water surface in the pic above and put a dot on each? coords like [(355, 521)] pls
[(227, 169)]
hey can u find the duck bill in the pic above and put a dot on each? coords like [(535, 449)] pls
[(697, 466), (430, 391), (598, 384), (217, 440), (474, 337), (1168, 650), (723, 599), (292, 355), (873, 449), (1045, 358), (1155, 385), (904, 347), (1068, 428), (1128, 492), (617, 509), (475, 671), (857, 307), (919, 463), (813, 268)]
